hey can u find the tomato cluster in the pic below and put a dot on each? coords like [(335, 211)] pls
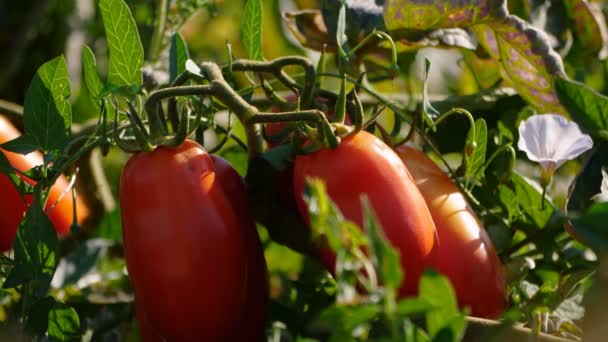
[(59, 205), (422, 213), (193, 254)]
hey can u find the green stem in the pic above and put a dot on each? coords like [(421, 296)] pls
[(312, 115), (159, 30), (276, 67)]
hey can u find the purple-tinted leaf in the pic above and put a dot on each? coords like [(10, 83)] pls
[(589, 26), (527, 60), (421, 15)]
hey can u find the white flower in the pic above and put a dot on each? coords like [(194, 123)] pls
[(551, 140), (603, 195)]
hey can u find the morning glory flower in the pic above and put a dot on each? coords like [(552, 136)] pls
[(603, 195), (551, 140)]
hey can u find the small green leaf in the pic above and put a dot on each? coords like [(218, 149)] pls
[(527, 60), (428, 111), (23, 144), (530, 201), (414, 306), (587, 107), (90, 75), (327, 221), (178, 55), (126, 51), (477, 158), (252, 29), (508, 198), (5, 165), (437, 291), (47, 114), (35, 252), (341, 38), (349, 317), (387, 257), (64, 324)]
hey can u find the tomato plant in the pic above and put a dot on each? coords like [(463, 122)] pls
[(179, 229), (464, 251), (59, 205), (363, 165), (212, 256)]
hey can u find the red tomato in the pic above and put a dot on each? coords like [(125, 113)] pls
[(59, 204), (183, 244), (465, 253), (363, 164), (256, 301)]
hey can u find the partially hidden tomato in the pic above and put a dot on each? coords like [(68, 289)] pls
[(256, 300), (59, 205), (183, 243), (363, 164), (464, 252)]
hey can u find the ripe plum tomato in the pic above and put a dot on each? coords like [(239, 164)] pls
[(464, 252), (256, 301), (183, 244), (363, 164), (59, 204)]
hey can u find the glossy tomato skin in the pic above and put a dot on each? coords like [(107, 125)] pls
[(183, 244), (464, 252), (256, 301), (59, 204), (363, 164)]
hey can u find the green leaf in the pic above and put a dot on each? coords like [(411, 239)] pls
[(349, 317), (5, 165), (178, 55), (428, 111), (35, 252), (327, 221), (508, 198), (64, 324), (527, 60), (23, 144), (126, 51), (589, 26), (47, 114), (414, 306), (403, 16), (591, 228), (438, 292), (90, 75), (387, 257), (587, 107), (477, 158), (341, 38), (530, 201), (252, 29)]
